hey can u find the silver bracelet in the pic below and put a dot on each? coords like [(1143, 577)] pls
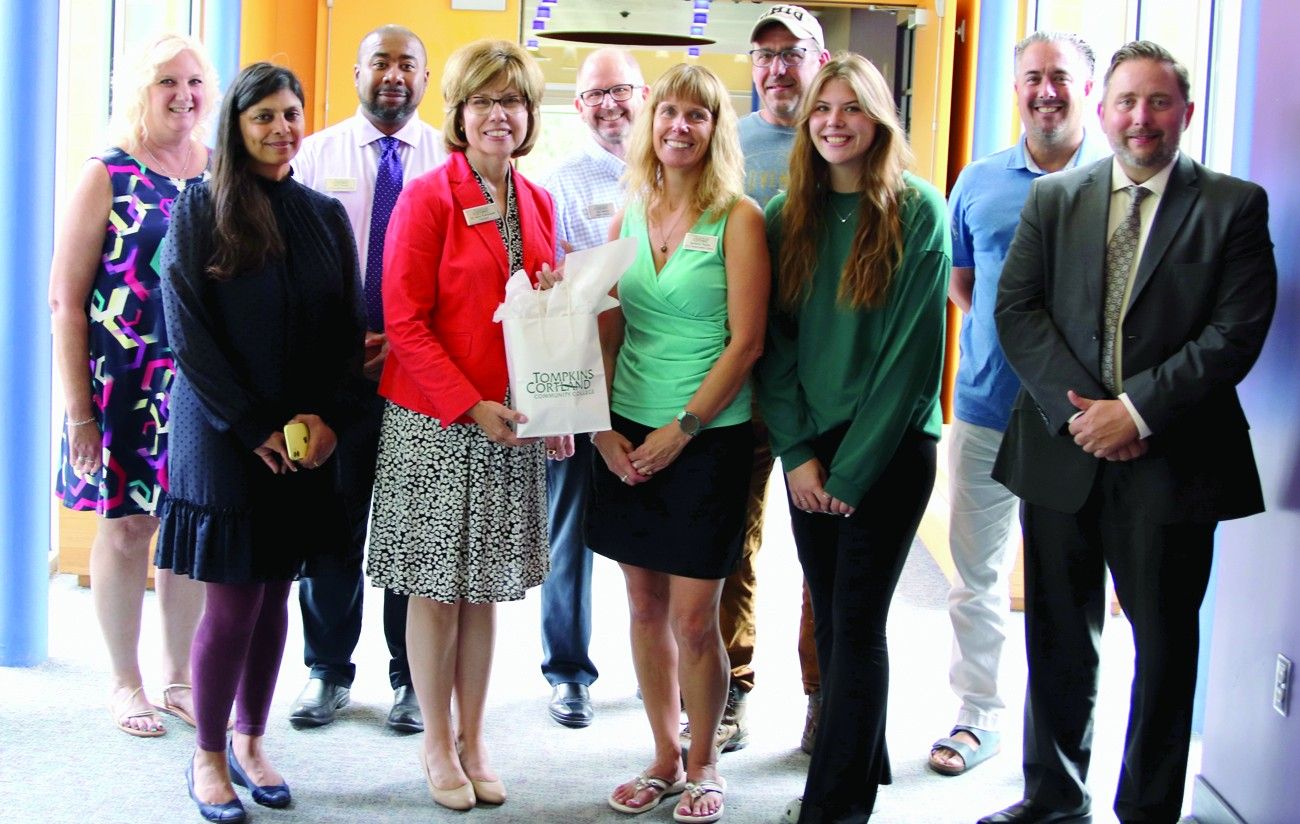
[(81, 423)]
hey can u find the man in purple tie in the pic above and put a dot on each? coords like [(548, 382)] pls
[(363, 162)]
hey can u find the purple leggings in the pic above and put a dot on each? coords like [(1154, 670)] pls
[(236, 658)]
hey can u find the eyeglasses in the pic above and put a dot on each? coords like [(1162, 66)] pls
[(792, 57), (511, 104), (594, 97)]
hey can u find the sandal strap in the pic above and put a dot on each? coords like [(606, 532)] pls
[(646, 781), (698, 789)]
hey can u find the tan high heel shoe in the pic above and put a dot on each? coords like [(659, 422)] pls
[(489, 792), (455, 798)]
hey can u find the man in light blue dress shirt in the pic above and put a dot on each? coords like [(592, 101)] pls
[(1053, 78), (610, 92)]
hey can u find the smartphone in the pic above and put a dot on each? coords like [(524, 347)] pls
[(295, 440)]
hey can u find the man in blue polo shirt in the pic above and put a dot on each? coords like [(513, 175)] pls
[(1053, 79)]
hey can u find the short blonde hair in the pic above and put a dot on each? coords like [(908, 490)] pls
[(131, 88), (480, 64), (722, 179)]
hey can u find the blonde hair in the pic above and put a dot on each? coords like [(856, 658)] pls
[(480, 64), (878, 241), (127, 125), (722, 178)]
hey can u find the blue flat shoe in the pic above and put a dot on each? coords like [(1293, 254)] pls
[(275, 796), (990, 744), (230, 811)]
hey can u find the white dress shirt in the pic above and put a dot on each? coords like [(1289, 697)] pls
[(342, 162), (1119, 204)]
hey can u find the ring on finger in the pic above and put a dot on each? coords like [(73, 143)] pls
[(623, 478)]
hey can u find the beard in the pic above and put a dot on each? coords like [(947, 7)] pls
[(389, 112)]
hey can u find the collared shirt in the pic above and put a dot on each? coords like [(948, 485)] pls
[(588, 194), (985, 209), (1119, 203), (342, 162)]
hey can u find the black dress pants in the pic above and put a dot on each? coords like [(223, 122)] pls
[(331, 599), (852, 566), (1160, 572)]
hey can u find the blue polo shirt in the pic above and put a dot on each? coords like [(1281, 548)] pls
[(985, 206)]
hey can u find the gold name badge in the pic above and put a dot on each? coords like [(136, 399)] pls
[(340, 184), (475, 215), (700, 243)]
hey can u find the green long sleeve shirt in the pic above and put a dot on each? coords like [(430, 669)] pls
[(877, 370)]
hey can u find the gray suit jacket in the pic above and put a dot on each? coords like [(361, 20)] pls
[(1200, 308)]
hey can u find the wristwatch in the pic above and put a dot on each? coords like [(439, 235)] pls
[(689, 422)]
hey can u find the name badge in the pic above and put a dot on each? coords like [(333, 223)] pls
[(599, 211), (700, 243), (340, 184), (475, 215)]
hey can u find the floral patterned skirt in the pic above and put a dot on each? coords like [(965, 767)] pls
[(456, 517)]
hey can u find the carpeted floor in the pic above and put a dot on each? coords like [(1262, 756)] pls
[(62, 761)]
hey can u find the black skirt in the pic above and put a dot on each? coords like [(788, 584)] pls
[(688, 519)]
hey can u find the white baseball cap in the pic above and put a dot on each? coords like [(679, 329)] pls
[(798, 20)]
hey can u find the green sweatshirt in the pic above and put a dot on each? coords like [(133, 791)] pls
[(877, 370)]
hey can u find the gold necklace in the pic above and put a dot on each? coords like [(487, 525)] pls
[(189, 153), (663, 238)]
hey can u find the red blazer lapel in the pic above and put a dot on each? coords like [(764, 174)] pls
[(466, 194)]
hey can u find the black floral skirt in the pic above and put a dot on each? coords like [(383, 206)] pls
[(456, 517)]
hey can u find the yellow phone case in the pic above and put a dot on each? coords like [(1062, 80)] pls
[(295, 440)]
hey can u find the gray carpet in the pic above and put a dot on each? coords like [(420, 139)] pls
[(61, 760)]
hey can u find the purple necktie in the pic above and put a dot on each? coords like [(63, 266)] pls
[(388, 185)]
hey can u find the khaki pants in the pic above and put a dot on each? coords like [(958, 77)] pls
[(736, 611)]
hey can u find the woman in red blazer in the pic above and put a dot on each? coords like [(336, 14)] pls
[(459, 515)]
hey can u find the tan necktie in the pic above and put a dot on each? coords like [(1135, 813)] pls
[(1119, 261)]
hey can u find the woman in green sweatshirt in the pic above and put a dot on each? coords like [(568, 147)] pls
[(849, 387)]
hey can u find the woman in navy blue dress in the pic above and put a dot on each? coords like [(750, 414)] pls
[(261, 290)]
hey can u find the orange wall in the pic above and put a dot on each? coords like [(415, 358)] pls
[(320, 43)]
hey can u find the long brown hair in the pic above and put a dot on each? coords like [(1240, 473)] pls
[(246, 234), (878, 241)]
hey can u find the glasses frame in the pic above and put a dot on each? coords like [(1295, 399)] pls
[(630, 87), (757, 57), (496, 101)]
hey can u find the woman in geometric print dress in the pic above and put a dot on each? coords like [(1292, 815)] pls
[(114, 364)]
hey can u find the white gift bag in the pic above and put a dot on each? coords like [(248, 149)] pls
[(557, 374)]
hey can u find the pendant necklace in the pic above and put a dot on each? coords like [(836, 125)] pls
[(663, 242), (843, 218), (189, 153)]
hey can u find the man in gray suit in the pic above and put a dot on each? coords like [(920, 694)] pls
[(1136, 295)]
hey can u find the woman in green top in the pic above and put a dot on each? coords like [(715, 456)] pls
[(668, 503), (849, 389)]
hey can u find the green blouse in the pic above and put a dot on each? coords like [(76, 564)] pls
[(676, 325), (877, 370)]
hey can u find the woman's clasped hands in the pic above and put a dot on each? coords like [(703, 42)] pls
[(806, 483), (638, 464), (321, 442)]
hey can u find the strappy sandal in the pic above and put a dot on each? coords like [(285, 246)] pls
[(171, 708), (695, 790), (118, 710), (658, 787)]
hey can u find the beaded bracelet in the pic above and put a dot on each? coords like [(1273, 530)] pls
[(81, 423)]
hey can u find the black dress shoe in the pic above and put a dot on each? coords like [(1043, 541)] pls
[(318, 703), (405, 715), (1028, 812), (571, 705)]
